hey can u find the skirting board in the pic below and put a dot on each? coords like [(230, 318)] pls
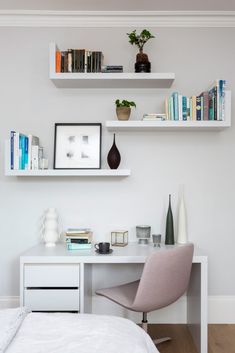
[(221, 310)]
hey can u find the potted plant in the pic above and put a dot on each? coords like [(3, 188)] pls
[(123, 109), (142, 62)]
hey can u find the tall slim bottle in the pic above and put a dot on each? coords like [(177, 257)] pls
[(169, 239)]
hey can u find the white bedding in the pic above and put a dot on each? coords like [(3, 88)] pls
[(79, 333)]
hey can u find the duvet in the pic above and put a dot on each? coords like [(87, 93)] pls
[(22, 332)]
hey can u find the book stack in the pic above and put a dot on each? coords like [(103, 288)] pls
[(78, 238), (154, 117), (25, 151), (112, 68), (209, 105), (78, 60)]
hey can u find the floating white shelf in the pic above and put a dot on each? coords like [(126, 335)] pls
[(140, 125), (69, 173), (167, 125), (61, 172), (108, 80)]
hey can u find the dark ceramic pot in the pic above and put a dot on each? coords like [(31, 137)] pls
[(114, 157)]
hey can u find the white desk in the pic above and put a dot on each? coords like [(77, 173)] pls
[(59, 280)]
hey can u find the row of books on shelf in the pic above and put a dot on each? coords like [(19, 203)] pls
[(78, 238), (25, 151), (81, 60), (209, 105)]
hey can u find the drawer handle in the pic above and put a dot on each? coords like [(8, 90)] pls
[(52, 288)]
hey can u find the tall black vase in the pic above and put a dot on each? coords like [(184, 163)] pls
[(114, 157), (169, 239)]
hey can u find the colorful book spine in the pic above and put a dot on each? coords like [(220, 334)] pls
[(74, 246), (198, 108), (211, 105), (12, 137), (58, 61), (16, 151), (180, 105), (205, 96), (184, 108), (176, 105), (193, 111)]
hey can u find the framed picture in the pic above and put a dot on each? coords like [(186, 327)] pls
[(77, 146)]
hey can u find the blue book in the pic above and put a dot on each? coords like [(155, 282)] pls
[(184, 108), (176, 105), (26, 152), (12, 149), (221, 96), (21, 147)]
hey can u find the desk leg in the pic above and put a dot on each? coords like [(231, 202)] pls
[(197, 306), (85, 288)]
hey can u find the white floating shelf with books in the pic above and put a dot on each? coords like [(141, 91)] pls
[(174, 125), (69, 173), (60, 172), (107, 80)]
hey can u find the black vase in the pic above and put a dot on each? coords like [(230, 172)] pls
[(114, 157), (143, 67), (169, 239)]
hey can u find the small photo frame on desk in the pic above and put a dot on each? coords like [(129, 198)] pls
[(77, 146)]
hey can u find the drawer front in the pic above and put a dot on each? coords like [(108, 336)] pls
[(52, 299), (51, 275)]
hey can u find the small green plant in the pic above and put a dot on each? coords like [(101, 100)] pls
[(124, 103), (139, 39)]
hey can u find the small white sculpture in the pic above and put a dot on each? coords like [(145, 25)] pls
[(51, 233), (182, 222)]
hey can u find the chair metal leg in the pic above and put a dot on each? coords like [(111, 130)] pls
[(145, 323), (145, 328), (160, 340)]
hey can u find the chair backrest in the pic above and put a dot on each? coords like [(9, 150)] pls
[(164, 279)]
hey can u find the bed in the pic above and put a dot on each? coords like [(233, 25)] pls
[(22, 331)]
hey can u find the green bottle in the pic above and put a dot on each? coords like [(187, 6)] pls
[(169, 239)]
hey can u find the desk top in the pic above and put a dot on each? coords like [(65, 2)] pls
[(132, 253)]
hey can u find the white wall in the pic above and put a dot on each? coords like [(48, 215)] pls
[(203, 161)]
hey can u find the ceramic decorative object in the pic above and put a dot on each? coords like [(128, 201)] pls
[(169, 239), (123, 113), (143, 234), (114, 157), (51, 233), (182, 236)]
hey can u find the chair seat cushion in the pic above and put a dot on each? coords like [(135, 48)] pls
[(123, 294)]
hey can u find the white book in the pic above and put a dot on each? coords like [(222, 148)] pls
[(33, 141), (16, 150), (35, 157), (188, 109)]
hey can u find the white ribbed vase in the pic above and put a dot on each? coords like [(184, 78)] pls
[(51, 234), (182, 236)]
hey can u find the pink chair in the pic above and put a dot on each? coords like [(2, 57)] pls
[(164, 279)]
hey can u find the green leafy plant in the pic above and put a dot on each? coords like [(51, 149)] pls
[(139, 39), (124, 103)]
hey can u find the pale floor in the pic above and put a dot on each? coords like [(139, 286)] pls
[(221, 338)]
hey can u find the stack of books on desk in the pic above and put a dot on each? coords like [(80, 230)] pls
[(78, 238)]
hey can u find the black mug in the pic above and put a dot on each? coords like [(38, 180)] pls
[(103, 248)]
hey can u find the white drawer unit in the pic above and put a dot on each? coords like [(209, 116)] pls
[(51, 286), (51, 275), (52, 299)]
